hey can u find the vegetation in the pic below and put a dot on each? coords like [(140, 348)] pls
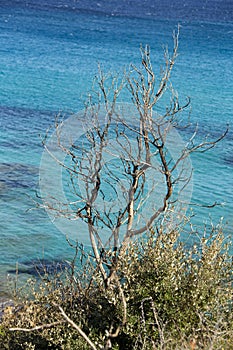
[(173, 297), (140, 287)]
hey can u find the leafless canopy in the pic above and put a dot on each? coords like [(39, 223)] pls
[(130, 168)]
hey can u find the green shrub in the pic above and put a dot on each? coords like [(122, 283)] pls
[(176, 297), (179, 293)]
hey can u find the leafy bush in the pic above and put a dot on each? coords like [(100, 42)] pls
[(181, 293), (176, 298)]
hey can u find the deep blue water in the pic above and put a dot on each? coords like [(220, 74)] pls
[(49, 54)]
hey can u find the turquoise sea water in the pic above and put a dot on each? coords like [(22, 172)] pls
[(49, 54)]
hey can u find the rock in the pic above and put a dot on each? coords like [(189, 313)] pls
[(40, 268)]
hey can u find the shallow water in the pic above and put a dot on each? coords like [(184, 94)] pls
[(49, 56)]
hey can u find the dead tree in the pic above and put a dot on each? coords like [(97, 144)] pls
[(122, 172)]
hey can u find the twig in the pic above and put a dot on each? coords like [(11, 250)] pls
[(75, 326), (36, 328)]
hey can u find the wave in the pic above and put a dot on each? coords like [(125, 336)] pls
[(214, 10)]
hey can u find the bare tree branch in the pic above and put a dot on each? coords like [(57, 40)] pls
[(75, 326), (122, 156), (36, 328)]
